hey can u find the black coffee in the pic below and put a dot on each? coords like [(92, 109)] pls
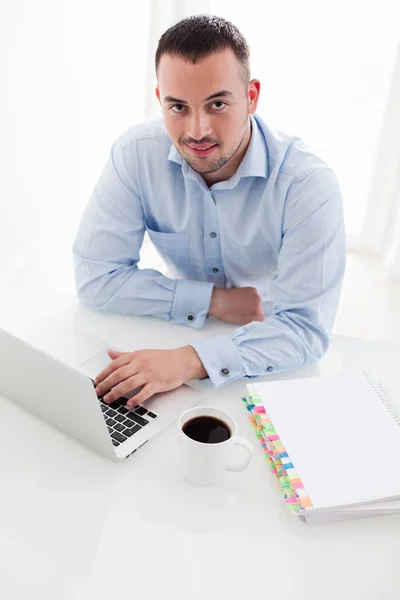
[(208, 430)]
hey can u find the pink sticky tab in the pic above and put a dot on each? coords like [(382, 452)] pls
[(259, 410), (272, 438)]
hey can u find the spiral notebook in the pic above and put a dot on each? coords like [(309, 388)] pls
[(332, 441)]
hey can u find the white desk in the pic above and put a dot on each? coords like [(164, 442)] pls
[(74, 525)]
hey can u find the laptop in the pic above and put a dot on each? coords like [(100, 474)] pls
[(65, 397)]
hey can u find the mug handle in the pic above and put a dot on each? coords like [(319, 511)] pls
[(245, 444)]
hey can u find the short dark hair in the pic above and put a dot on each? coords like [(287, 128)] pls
[(199, 36)]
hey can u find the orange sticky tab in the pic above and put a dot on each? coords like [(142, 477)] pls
[(305, 502)]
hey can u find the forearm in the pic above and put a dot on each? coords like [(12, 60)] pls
[(129, 290), (281, 343)]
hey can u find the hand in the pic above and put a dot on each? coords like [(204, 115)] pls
[(236, 305), (152, 370)]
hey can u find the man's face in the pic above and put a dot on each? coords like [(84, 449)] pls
[(206, 110)]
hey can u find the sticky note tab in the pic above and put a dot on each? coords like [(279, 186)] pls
[(276, 455)]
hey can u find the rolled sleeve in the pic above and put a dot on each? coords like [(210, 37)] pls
[(221, 359), (191, 302)]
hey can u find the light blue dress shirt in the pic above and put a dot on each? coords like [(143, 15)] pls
[(276, 225)]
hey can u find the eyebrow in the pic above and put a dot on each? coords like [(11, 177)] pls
[(221, 94)]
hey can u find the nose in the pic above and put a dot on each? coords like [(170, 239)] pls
[(199, 127)]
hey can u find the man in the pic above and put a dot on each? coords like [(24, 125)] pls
[(248, 220)]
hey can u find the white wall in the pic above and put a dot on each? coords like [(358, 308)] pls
[(74, 74), (326, 68), (72, 79), (164, 14)]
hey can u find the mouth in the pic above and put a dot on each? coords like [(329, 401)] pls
[(204, 150)]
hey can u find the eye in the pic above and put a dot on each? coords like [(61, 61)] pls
[(221, 105), (177, 106)]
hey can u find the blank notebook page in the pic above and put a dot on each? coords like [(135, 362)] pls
[(341, 438)]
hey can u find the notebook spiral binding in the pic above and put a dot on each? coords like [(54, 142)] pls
[(383, 396)]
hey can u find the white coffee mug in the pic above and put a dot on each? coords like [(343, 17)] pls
[(204, 463)]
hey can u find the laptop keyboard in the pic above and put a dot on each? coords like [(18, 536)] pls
[(124, 422)]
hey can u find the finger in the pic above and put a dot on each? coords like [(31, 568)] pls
[(115, 378), (142, 396), (110, 368), (115, 353), (124, 388), (115, 364)]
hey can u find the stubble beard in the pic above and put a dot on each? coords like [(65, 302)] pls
[(220, 162)]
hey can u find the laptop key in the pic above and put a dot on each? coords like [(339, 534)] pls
[(122, 410), (121, 401), (103, 407), (118, 436), (128, 422), (115, 442), (152, 415), (119, 418), (132, 430), (137, 419), (110, 422), (119, 427), (111, 413), (141, 411), (113, 405)]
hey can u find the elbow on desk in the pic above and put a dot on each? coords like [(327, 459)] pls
[(92, 290), (319, 347), (320, 340), (97, 281), (103, 291), (87, 295), (313, 337)]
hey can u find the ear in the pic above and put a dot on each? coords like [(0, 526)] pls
[(253, 94), (157, 90)]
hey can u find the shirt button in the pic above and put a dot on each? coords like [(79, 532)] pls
[(269, 369), (190, 317), (215, 270), (224, 371), (213, 234)]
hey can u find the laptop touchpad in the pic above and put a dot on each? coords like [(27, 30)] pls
[(96, 363)]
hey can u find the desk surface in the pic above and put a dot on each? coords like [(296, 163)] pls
[(74, 525)]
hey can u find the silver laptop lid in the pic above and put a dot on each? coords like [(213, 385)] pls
[(54, 391)]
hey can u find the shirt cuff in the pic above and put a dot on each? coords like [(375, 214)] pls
[(191, 302), (221, 359)]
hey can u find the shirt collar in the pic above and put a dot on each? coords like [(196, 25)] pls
[(254, 162)]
